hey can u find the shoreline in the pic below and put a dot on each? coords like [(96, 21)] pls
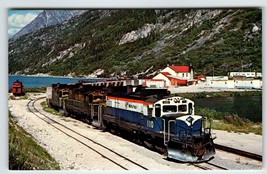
[(198, 88), (68, 77)]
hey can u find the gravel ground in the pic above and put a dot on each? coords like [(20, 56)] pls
[(72, 155)]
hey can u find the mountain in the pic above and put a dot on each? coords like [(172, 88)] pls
[(48, 18), (140, 42)]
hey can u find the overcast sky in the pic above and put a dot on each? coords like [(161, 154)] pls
[(17, 19)]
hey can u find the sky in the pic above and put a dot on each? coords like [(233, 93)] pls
[(17, 19)]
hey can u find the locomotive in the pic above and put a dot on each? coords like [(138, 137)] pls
[(17, 88), (158, 119)]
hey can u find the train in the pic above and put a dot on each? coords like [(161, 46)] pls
[(158, 119), (17, 88)]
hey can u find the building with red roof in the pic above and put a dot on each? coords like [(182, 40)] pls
[(176, 75)]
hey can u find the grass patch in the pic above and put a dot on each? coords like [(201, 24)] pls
[(219, 94), (229, 122), (49, 110), (25, 153), (36, 89)]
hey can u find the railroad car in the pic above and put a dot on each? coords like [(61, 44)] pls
[(82, 101), (157, 119), (17, 88), (59, 92)]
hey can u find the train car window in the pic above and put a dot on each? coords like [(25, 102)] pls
[(90, 98), (182, 108), (170, 108), (149, 111), (157, 110), (65, 93)]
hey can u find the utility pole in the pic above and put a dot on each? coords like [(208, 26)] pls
[(242, 65), (212, 70)]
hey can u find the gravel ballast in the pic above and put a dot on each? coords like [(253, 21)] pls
[(74, 155)]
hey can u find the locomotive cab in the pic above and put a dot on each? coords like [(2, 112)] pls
[(97, 97), (64, 93), (173, 105), (185, 134)]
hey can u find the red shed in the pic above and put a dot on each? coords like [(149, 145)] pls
[(17, 88), (201, 77)]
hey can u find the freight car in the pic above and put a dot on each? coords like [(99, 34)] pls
[(150, 114)]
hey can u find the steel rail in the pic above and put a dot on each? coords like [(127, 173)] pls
[(202, 166), (239, 152), (33, 102)]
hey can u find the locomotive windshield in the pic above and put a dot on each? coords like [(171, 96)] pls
[(170, 108), (182, 108), (173, 105)]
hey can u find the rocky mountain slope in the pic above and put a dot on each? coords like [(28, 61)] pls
[(140, 42), (48, 18)]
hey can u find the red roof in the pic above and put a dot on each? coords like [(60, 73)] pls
[(166, 74), (200, 77), (180, 68)]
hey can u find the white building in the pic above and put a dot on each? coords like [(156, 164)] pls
[(175, 75), (254, 83), (224, 82), (245, 74), (184, 72), (211, 78), (154, 83)]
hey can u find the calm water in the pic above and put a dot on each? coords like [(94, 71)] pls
[(247, 106), (30, 81)]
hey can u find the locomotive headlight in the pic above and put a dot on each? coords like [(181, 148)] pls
[(176, 100)]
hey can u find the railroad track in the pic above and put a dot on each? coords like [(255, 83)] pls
[(72, 134), (105, 151), (239, 152), (209, 166)]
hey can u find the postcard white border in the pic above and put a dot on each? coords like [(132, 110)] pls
[(108, 4)]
